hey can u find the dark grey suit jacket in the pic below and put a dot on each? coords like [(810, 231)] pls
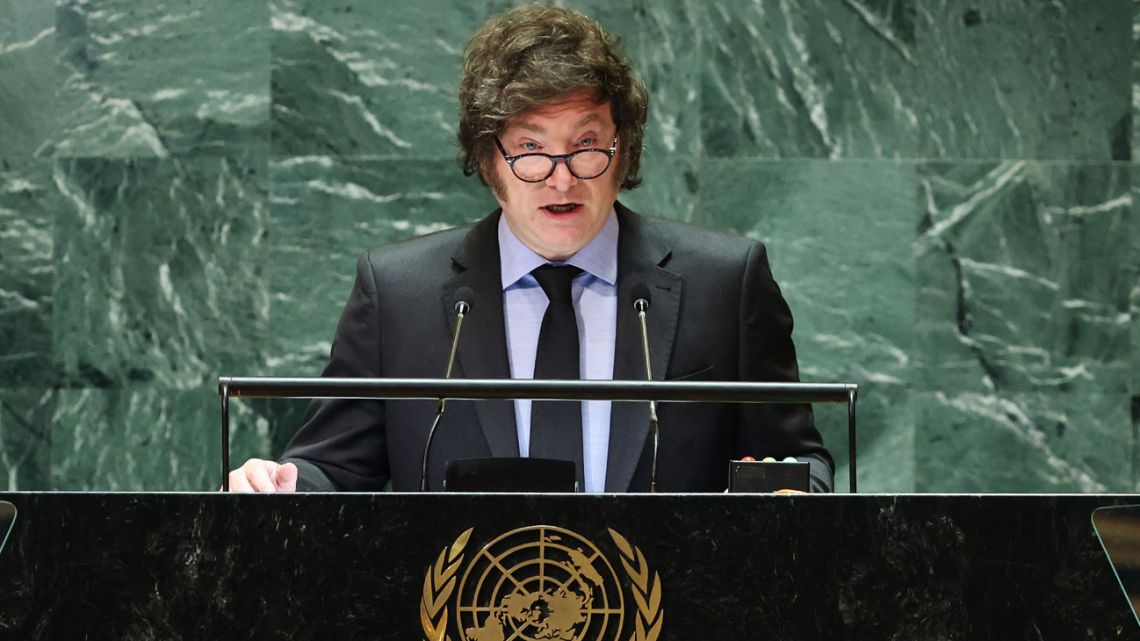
[(717, 314)]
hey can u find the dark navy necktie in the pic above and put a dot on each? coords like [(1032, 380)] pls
[(556, 426)]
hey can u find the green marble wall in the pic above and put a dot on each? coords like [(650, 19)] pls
[(946, 189)]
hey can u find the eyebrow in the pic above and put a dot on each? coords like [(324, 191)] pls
[(540, 130)]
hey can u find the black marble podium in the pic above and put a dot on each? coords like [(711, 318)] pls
[(212, 566)]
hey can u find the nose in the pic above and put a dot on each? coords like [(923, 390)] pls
[(561, 179)]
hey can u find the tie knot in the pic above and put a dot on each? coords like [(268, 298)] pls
[(555, 280)]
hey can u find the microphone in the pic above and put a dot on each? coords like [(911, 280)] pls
[(463, 297), (641, 298)]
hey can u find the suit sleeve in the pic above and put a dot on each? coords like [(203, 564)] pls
[(767, 354), (344, 440)]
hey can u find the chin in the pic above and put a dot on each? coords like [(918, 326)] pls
[(566, 246), (558, 251)]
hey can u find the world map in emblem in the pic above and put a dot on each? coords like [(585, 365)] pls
[(537, 584)]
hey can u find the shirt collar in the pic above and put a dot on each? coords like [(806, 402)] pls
[(598, 257)]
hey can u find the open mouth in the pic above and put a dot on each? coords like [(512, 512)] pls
[(563, 209)]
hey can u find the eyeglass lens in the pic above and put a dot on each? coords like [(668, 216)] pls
[(584, 164)]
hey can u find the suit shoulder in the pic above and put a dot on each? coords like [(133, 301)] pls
[(688, 241), (429, 246), (688, 233)]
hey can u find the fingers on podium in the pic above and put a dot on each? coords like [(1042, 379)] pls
[(259, 475)]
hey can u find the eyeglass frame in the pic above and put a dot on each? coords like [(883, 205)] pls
[(565, 158)]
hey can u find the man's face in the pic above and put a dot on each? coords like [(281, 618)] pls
[(558, 216)]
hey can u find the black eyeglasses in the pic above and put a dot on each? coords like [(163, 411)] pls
[(536, 167)]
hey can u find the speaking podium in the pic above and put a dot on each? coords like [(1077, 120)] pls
[(571, 567), (375, 567)]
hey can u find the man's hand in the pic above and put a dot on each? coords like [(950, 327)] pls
[(259, 475)]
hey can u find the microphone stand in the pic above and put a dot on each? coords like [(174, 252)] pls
[(461, 309), (641, 304)]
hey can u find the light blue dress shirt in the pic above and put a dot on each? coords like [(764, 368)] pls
[(594, 293)]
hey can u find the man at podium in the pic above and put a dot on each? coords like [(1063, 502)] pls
[(552, 119)]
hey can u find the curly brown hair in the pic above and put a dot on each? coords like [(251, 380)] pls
[(531, 55)]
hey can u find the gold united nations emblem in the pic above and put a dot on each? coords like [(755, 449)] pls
[(538, 583)]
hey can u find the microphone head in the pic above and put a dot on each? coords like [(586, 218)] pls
[(639, 292), (463, 298)]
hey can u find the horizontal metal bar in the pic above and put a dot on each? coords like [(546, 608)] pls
[(434, 388)]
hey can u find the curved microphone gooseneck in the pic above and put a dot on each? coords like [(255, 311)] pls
[(463, 296), (641, 298)]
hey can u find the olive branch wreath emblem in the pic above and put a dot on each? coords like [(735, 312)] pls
[(646, 592), (440, 580), (439, 583)]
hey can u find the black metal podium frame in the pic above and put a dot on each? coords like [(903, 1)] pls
[(483, 389)]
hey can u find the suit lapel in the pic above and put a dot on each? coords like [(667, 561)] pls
[(640, 257), (483, 345)]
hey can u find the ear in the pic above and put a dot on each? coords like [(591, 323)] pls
[(620, 164), (491, 179), (486, 169)]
